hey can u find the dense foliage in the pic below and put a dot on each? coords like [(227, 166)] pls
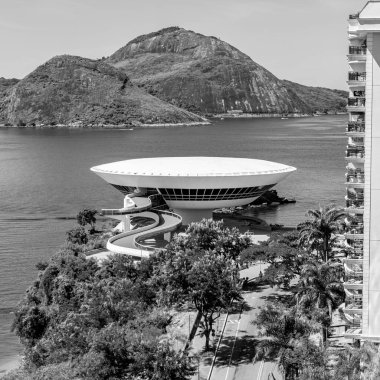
[(110, 321), (283, 255), (72, 90), (83, 320), (295, 328), (201, 267), (318, 233), (87, 216), (288, 339), (104, 320)]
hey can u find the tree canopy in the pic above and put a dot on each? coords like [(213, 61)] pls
[(281, 251), (211, 235), (110, 321), (318, 232), (207, 280), (286, 337), (104, 320), (87, 216)]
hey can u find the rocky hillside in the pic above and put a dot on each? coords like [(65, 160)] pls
[(75, 90), (203, 74), (319, 99), (170, 76), (6, 86)]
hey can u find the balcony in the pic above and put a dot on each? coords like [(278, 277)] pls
[(353, 280), (354, 329), (356, 142), (356, 105), (354, 302), (355, 128), (355, 181), (357, 50), (352, 309), (354, 206), (355, 200), (357, 54), (353, 332), (354, 248), (353, 268), (354, 255), (356, 203), (355, 232), (354, 284), (355, 194), (359, 93), (356, 78), (356, 102), (357, 172), (355, 154)]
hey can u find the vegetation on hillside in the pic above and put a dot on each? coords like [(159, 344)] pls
[(203, 74), (77, 91), (206, 75), (161, 77), (319, 99)]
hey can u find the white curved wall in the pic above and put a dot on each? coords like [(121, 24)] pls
[(193, 182)]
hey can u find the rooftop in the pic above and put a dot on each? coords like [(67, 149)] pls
[(193, 166), (370, 11)]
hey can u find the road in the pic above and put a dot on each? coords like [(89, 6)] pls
[(235, 356)]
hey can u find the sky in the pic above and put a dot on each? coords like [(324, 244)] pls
[(304, 41)]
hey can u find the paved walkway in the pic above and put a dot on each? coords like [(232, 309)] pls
[(234, 359)]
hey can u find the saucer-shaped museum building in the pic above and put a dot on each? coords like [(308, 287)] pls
[(194, 186)]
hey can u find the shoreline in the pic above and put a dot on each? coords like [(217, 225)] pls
[(269, 116), (207, 121), (127, 127)]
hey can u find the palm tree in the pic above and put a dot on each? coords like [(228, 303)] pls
[(320, 287), (355, 363), (284, 333), (318, 232)]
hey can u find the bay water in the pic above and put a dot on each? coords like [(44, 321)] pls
[(45, 180)]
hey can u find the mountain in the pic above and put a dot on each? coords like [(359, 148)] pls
[(75, 90), (170, 76), (5, 87), (203, 74), (319, 99), (5, 84)]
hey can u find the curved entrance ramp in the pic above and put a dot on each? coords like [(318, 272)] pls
[(131, 242)]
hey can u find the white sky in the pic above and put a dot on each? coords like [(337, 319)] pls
[(300, 40)]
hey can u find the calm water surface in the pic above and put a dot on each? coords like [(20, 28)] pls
[(45, 180)]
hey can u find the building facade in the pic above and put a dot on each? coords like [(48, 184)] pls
[(362, 264), (190, 187), (194, 186)]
